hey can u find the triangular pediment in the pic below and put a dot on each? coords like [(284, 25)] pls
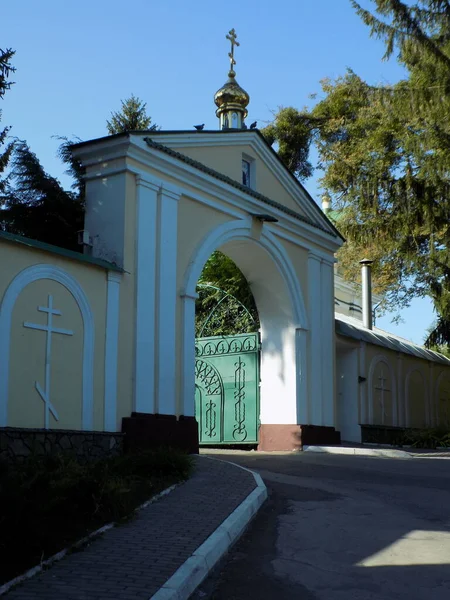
[(224, 151)]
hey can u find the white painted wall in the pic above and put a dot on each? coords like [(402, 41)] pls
[(347, 394)]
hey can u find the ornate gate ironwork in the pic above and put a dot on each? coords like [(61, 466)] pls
[(227, 389)]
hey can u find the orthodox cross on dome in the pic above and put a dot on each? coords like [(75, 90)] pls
[(49, 329), (383, 389), (232, 37)]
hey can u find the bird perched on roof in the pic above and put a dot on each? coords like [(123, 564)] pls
[(253, 125), (199, 127)]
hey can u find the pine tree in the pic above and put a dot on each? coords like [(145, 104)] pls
[(37, 206), (6, 69), (131, 117)]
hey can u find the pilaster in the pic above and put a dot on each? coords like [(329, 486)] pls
[(301, 345), (146, 270), (111, 350), (327, 342), (401, 404), (314, 296), (167, 300), (188, 354)]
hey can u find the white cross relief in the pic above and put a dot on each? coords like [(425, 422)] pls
[(49, 329), (382, 389)]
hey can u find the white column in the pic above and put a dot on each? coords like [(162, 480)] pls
[(401, 418), (301, 339), (188, 356), (146, 257), (167, 301), (111, 350), (314, 295), (328, 344)]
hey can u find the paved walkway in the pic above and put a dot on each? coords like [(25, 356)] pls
[(133, 561)]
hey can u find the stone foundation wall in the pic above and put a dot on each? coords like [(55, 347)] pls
[(18, 443), (294, 437)]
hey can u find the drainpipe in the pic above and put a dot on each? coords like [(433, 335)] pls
[(366, 277)]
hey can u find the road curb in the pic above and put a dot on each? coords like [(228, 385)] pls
[(386, 453), (196, 568)]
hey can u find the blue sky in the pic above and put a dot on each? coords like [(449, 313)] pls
[(76, 60)]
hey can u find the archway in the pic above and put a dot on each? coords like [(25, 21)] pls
[(227, 356), (282, 314)]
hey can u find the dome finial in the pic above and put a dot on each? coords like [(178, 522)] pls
[(231, 99)]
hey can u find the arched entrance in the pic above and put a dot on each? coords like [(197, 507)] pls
[(281, 310), (183, 197), (226, 356)]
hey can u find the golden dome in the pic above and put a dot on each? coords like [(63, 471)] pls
[(231, 95)]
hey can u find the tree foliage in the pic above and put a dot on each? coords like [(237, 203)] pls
[(6, 69), (225, 305), (131, 117), (37, 206), (385, 153), (292, 136), (34, 204)]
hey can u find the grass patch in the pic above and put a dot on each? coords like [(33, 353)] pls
[(48, 503), (426, 438)]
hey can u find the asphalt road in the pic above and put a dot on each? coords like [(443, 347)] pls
[(341, 528)]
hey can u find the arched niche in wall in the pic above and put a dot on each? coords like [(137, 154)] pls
[(382, 392), (416, 399), (443, 399)]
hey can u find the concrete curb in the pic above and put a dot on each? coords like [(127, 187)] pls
[(196, 568), (386, 453)]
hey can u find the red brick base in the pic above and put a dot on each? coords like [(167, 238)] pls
[(144, 430), (294, 437)]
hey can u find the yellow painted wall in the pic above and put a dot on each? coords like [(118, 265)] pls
[(195, 222), (416, 399), (422, 392), (25, 407), (299, 258), (443, 397), (228, 160), (27, 359), (389, 415)]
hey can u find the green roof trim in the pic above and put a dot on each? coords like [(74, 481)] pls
[(71, 254), (201, 167)]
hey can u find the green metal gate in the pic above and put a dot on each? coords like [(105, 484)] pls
[(227, 389)]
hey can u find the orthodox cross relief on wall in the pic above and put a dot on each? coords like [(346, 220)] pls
[(49, 329), (383, 390)]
